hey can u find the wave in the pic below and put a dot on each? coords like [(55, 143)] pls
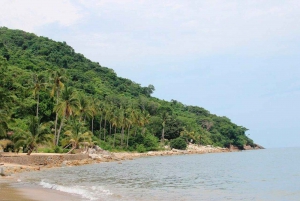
[(87, 192)]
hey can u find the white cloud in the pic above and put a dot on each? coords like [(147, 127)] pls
[(31, 14), (172, 28)]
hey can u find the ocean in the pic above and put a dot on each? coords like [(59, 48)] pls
[(270, 174)]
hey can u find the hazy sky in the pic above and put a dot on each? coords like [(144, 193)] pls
[(239, 59)]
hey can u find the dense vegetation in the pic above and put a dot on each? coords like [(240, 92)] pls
[(53, 96)]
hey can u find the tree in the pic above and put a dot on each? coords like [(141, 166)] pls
[(4, 118), (57, 77), (94, 103), (84, 107), (178, 143), (115, 123), (77, 133), (39, 84), (128, 122), (68, 105), (165, 114), (100, 111), (107, 111), (145, 120), (37, 134)]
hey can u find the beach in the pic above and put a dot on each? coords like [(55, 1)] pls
[(10, 190)]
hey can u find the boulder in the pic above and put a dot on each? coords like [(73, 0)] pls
[(2, 171), (95, 156)]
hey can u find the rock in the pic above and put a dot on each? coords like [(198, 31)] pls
[(95, 156), (97, 148), (257, 146), (2, 171), (64, 163), (247, 147)]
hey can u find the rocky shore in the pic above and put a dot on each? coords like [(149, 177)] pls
[(17, 163)]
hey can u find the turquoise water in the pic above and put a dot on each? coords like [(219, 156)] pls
[(271, 174)]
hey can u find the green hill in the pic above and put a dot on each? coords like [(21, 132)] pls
[(41, 77)]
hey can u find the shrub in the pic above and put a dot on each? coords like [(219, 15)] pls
[(151, 142), (178, 143), (58, 149), (140, 148)]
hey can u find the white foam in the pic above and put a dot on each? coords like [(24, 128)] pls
[(91, 193)]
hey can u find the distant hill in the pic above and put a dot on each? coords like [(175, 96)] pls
[(24, 55)]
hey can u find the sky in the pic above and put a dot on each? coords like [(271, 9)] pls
[(238, 59)]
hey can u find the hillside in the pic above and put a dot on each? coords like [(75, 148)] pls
[(66, 91)]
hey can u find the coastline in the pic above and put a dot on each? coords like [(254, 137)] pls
[(10, 192), (11, 163)]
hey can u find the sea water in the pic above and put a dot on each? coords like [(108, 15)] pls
[(270, 174)]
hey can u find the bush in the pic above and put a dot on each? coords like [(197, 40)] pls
[(151, 142), (45, 150), (178, 143), (140, 148), (58, 149)]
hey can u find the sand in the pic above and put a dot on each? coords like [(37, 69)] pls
[(9, 192)]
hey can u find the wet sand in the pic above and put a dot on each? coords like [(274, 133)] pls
[(9, 192)]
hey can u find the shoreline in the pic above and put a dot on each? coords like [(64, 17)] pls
[(92, 157), (10, 192)]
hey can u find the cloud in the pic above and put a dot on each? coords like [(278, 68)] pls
[(31, 14), (174, 28)]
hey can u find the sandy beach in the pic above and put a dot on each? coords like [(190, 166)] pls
[(10, 192)]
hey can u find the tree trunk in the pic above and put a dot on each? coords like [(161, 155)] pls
[(122, 135), (115, 135), (163, 134), (37, 105), (59, 130), (55, 128), (30, 151), (109, 128), (71, 150), (135, 131), (104, 129), (93, 125), (55, 124), (128, 132), (100, 127)]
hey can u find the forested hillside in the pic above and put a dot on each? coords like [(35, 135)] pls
[(51, 95)]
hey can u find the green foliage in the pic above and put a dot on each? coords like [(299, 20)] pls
[(35, 78), (178, 143), (141, 148)]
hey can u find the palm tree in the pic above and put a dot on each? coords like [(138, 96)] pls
[(145, 120), (135, 119), (101, 113), (93, 109), (121, 118), (84, 107), (115, 122), (107, 110), (164, 116), (39, 84), (77, 133), (57, 78), (37, 134), (128, 123), (66, 107)]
